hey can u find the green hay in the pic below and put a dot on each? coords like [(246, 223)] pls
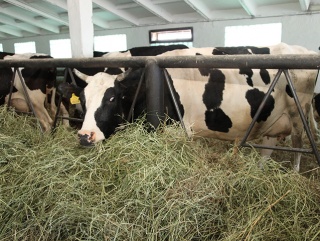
[(146, 186)]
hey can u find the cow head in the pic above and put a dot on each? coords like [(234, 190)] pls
[(106, 102), (101, 103)]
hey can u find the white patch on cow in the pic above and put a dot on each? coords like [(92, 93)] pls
[(94, 92)]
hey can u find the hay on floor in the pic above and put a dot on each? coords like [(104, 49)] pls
[(146, 186)]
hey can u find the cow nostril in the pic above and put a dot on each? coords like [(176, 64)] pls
[(87, 139)]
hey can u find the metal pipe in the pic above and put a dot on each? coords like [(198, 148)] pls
[(11, 86), (154, 94), (303, 118), (262, 104), (174, 101), (286, 61), (26, 94), (135, 96)]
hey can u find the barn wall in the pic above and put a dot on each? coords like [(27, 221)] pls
[(298, 29)]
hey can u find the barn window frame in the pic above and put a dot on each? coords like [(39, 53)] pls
[(154, 35)]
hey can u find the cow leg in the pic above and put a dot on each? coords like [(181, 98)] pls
[(52, 106), (313, 123), (43, 116), (266, 153), (296, 138), (19, 105)]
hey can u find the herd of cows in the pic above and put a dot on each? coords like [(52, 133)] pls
[(216, 103)]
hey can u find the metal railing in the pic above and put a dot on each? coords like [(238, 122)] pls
[(154, 64)]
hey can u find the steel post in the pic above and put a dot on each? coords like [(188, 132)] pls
[(154, 93)]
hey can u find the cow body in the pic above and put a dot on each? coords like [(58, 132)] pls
[(216, 103), (39, 82)]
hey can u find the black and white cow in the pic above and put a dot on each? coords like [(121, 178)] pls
[(217, 103), (136, 51), (39, 82)]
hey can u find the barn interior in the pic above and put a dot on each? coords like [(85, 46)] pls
[(161, 185)]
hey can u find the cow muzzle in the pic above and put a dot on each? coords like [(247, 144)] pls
[(86, 139)]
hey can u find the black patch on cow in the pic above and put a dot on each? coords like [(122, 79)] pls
[(249, 73), (155, 50), (247, 50), (108, 115), (254, 98), (240, 50), (264, 74), (288, 91), (113, 71), (217, 120), (4, 54), (5, 80), (212, 96), (317, 103), (99, 53), (39, 78)]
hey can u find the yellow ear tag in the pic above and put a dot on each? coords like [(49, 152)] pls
[(74, 99)]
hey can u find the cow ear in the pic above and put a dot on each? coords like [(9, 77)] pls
[(82, 76)]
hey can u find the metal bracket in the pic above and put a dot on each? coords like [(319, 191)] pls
[(25, 92), (303, 118)]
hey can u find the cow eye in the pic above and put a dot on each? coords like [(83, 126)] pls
[(111, 99)]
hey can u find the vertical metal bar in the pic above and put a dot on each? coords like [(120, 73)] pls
[(303, 118), (11, 85), (174, 100), (28, 98), (263, 102), (155, 93), (71, 76), (66, 71), (136, 96)]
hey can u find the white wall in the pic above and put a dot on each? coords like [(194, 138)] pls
[(301, 30), (298, 29)]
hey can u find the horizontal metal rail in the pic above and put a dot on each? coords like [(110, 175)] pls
[(289, 61)]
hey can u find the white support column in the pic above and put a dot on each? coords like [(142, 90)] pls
[(81, 27)]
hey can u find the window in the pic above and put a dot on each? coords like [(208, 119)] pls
[(60, 48), (170, 36), (26, 47), (110, 43), (1, 47), (254, 35)]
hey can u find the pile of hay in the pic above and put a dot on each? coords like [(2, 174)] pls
[(145, 186)]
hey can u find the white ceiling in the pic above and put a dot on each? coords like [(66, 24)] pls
[(27, 18)]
